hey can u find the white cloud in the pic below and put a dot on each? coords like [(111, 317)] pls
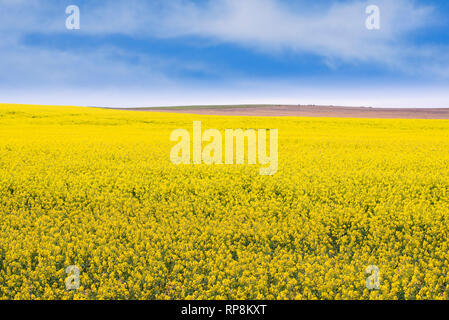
[(335, 32)]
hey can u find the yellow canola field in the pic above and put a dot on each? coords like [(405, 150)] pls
[(96, 189)]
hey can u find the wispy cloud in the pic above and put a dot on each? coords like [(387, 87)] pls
[(332, 31), (335, 32)]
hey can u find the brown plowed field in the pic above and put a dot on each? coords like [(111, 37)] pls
[(310, 111)]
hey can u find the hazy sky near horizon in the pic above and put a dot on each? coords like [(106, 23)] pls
[(185, 52)]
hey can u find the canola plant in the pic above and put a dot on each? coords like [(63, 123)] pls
[(96, 189)]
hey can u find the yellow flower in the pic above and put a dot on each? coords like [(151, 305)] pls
[(96, 189)]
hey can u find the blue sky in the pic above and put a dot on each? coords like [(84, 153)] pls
[(184, 52)]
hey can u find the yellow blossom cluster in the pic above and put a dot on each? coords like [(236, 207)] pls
[(96, 189)]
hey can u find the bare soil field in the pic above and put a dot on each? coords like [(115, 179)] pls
[(308, 111)]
